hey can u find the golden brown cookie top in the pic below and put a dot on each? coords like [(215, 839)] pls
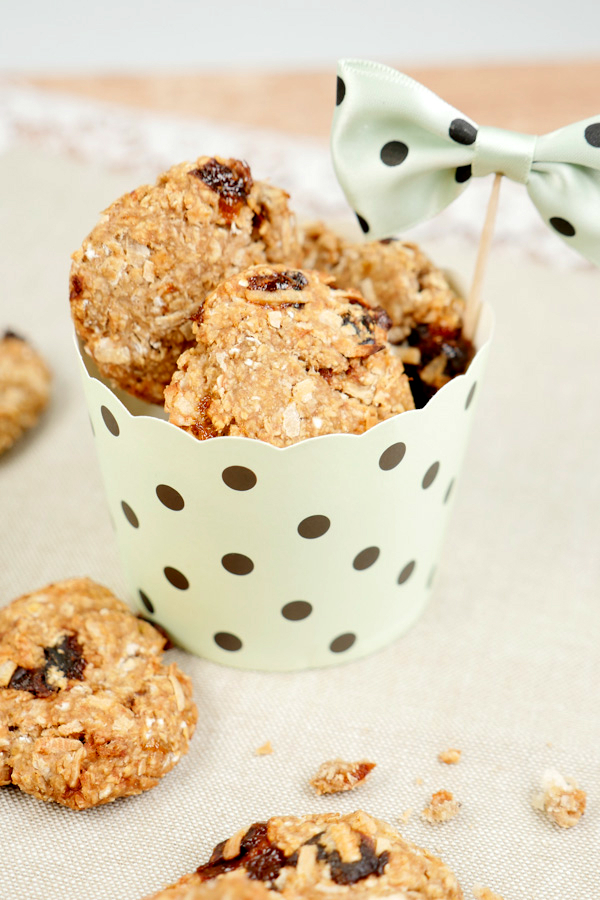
[(393, 273), (158, 251), (88, 711), (24, 387), (352, 855), (284, 355)]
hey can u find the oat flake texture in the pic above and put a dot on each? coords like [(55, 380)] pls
[(88, 711), (313, 856)]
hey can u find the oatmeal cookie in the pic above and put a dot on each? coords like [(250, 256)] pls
[(321, 856), (283, 356), (88, 712), (24, 388), (396, 275), (158, 251), (426, 312)]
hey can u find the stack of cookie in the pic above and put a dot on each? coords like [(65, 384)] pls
[(200, 300), (202, 290)]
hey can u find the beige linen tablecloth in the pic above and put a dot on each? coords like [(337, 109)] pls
[(504, 664)]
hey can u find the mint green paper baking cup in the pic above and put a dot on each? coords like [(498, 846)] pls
[(281, 559)]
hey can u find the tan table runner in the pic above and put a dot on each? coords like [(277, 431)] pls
[(505, 663)]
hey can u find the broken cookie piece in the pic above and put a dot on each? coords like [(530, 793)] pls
[(450, 757), (560, 798), (442, 807), (336, 776)]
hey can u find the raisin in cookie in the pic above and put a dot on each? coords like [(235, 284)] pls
[(396, 275), (155, 255), (24, 388), (353, 856), (88, 712), (283, 356)]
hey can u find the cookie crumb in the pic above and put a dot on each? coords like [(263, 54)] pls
[(484, 893), (442, 807), (561, 799), (418, 781), (336, 775), (406, 816), (264, 749), (451, 757)]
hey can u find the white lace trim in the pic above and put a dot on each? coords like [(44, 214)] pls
[(146, 143)]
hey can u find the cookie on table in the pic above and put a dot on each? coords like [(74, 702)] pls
[(24, 388), (88, 711), (158, 251), (320, 856), (396, 275), (283, 356)]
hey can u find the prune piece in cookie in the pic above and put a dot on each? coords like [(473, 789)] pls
[(146, 268), (283, 356), (24, 388), (353, 856), (396, 275), (443, 353), (88, 711), (62, 661)]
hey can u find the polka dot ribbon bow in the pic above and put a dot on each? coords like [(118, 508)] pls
[(401, 154)]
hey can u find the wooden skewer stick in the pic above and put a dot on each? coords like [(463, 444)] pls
[(473, 304)]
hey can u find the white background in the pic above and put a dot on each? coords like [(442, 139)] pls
[(129, 35)]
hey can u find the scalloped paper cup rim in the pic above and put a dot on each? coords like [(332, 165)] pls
[(274, 558)]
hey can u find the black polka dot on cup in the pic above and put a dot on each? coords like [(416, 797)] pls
[(406, 572), (448, 491), (237, 564), (342, 642), (470, 395), (146, 601), (390, 458), (430, 475), (393, 153), (129, 514), (169, 497), (462, 174), (110, 421), (563, 226), (462, 131), (340, 92), (239, 478), (176, 578), (366, 558), (227, 641), (296, 610), (592, 134), (313, 527), (363, 223)]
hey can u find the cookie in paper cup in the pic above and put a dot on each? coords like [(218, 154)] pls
[(273, 558)]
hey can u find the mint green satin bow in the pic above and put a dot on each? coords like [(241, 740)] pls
[(401, 154)]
